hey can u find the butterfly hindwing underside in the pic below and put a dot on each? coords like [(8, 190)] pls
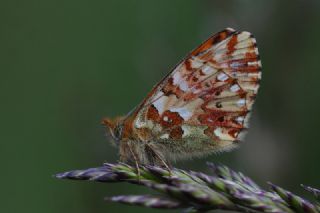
[(201, 107)]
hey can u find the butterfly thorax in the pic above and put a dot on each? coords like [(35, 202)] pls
[(132, 143)]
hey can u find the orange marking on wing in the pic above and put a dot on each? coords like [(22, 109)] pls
[(221, 36), (233, 132), (187, 63), (251, 55), (189, 96), (247, 68), (212, 41), (203, 47), (153, 113), (207, 56), (176, 133), (170, 119), (208, 94), (231, 44), (211, 118), (169, 89)]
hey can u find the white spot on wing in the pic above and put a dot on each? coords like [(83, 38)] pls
[(234, 88), (241, 102), (240, 119), (240, 53), (259, 63), (243, 44), (158, 95), (164, 136), (243, 36), (176, 78), (183, 85), (160, 103), (208, 70), (183, 112), (196, 64), (222, 77), (251, 63), (186, 131), (140, 124), (219, 132), (236, 64)]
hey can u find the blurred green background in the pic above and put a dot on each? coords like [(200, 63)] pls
[(67, 64)]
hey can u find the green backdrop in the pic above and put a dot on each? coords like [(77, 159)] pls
[(67, 64)]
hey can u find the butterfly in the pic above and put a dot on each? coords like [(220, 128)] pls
[(201, 107)]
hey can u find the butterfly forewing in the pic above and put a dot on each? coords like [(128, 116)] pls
[(208, 96)]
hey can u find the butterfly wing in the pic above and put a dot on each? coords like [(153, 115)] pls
[(204, 103)]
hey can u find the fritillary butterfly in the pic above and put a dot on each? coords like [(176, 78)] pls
[(202, 106)]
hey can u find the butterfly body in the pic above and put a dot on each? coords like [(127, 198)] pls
[(201, 107)]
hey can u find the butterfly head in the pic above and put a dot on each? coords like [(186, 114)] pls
[(114, 128)]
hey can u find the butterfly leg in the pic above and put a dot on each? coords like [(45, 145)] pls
[(156, 159), (135, 160)]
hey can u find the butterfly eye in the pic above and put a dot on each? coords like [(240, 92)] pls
[(218, 105), (117, 132)]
